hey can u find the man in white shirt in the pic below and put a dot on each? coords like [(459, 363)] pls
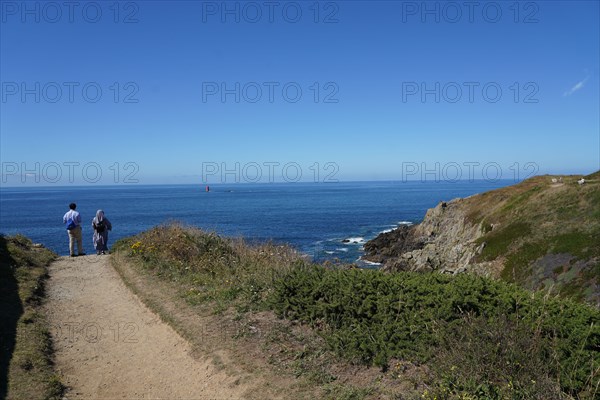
[(73, 221)]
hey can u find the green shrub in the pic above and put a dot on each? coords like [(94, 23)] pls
[(370, 317), (494, 358)]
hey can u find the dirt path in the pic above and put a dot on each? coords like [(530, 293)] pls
[(111, 346)]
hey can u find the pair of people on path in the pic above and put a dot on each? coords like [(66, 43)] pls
[(100, 224)]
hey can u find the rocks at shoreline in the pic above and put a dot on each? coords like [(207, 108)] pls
[(535, 233), (392, 244), (445, 241)]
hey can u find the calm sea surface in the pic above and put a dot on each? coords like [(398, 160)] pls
[(313, 217)]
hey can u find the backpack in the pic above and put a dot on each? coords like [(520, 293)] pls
[(100, 226), (71, 224)]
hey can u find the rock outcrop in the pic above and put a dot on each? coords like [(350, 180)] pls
[(538, 233), (445, 241)]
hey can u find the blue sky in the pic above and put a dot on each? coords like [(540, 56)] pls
[(389, 90)]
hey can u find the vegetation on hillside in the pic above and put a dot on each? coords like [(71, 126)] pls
[(478, 338), (211, 268), (512, 343), (547, 233), (25, 345)]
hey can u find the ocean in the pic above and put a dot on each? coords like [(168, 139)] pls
[(326, 221)]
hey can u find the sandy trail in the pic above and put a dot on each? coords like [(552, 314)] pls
[(109, 345)]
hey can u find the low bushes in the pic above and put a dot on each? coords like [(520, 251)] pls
[(464, 323), (210, 268), (480, 338)]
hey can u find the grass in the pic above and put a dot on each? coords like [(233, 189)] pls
[(498, 242), (581, 244), (517, 266), (210, 269), (519, 200), (535, 218), (459, 337), (26, 351)]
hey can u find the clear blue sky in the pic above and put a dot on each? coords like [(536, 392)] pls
[(371, 59)]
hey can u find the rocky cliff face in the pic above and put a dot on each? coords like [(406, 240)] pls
[(445, 241), (542, 233)]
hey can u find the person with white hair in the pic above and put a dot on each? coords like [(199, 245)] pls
[(101, 226)]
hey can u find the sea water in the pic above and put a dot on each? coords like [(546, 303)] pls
[(325, 221)]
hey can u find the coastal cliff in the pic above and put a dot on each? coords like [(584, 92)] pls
[(542, 233)]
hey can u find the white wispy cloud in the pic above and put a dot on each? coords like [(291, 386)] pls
[(576, 87)]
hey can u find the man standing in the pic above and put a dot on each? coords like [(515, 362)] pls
[(73, 221)]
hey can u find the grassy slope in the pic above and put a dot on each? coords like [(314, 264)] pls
[(25, 347), (546, 234), (226, 284), (463, 336)]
